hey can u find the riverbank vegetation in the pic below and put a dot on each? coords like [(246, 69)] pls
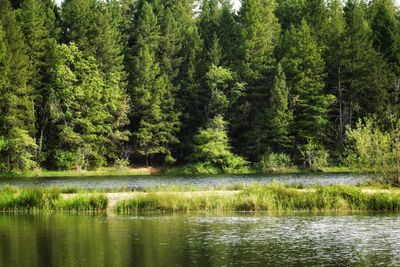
[(249, 198), (275, 86), (32, 200), (266, 198)]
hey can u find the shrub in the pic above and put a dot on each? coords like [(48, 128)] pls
[(121, 163), (375, 150), (275, 162), (314, 155), (212, 152), (65, 160)]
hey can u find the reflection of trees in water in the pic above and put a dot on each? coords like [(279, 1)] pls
[(198, 240)]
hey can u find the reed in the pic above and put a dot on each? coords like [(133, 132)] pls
[(40, 199), (265, 198)]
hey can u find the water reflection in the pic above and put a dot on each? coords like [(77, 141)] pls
[(200, 240)]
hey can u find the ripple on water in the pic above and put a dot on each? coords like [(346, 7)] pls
[(137, 182)]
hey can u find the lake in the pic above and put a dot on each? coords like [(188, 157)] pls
[(302, 239), (139, 182)]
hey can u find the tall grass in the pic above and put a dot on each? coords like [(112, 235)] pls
[(12, 199), (265, 198)]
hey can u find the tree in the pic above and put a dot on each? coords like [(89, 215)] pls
[(334, 77), (365, 75), (211, 151), (208, 23), (38, 26), (83, 112), (278, 116), (304, 68), (291, 12), (95, 28), (373, 149), (385, 31), (228, 35), (16, 103), (259, 36), (154, 119), (223, 91)]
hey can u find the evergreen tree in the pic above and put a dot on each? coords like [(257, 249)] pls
[(16, 111), (83, 112), (366, 76), (212, 152), (334, 78), (259, 37), (385, 31), (208, 23), (228, 35), (304, 67), (291, 12), (223, 91), (154, 119), (37, 24), (386, 40), (278, 115), (316, 15), (95, 27)]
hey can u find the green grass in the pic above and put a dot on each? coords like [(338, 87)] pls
[(265, 198), (249, 198), (180, 170), (87, 173), (31, 200)]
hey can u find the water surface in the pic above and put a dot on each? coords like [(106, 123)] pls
[(200, 240), (138, 182)]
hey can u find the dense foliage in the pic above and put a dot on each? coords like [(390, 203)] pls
[(279, 83)]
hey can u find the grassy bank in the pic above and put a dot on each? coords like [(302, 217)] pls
[(113, 171), (254, 198), (85, 173), (266, 198), (31, 200)]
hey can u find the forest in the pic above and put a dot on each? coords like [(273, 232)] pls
[(92, 83)]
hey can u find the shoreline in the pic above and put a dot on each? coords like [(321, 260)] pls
[(250, 198), (158, 171)]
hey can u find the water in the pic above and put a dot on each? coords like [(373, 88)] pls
[(200, 240), (138, 182)]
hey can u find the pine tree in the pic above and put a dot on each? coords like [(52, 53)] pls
[(259, 36), (386, 40), (278, 116), (17, 111), (40, 34), (255, 66), (212, 153), (385, 31), (334, 78), (228, 35), (223, 91), (316, 15), (304, 68), (366, 76), (154, 119), (95, 28), (83, 111), (291, 12), (208, 23)]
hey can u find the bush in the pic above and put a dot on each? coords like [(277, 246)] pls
[(275, 162), (375, 150), (212, 153), (315, 157), (121, 163), (65, 160)]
